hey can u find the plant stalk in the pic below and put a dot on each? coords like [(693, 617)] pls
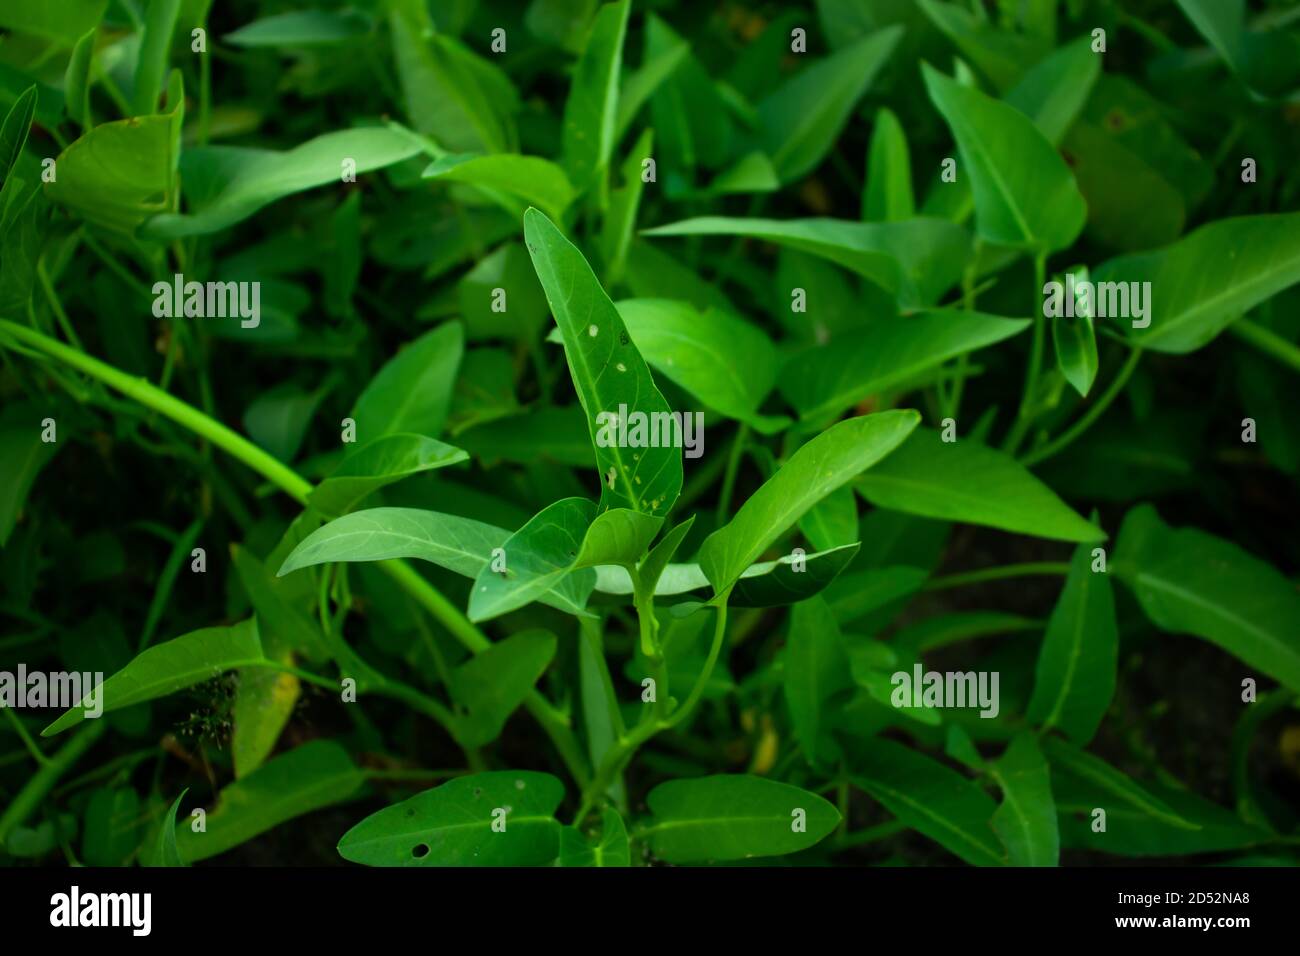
[(1062, 440), (626, 746)]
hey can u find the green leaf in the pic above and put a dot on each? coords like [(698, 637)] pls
[(947, 629), (452, 825), (734, 817), (539, 557), (1075, 679), (653, 565), (551, 434), (461, 545), (928, 797), (13, 132), (624, 203), (265, 698), (281, 624), (816, 668), (858, 594), (264, 703), (63, 20), (833, 521), (1191, 582), (642, 83), (752, 173), (1204, 282), (508, 268), (1075, 341), (824, 380), (800, 122), (1053, 92), (301, 28), (610, 849), (916, 260), (464, 102), (315, 775), (1025, 195), (561, 23), (225, 185), (529, 178), (1001, 55), (379, 463), (967, 481), (691, 120), (120, 174), (155, 45), (1131, 205), (725, 362), (618, 536), (111, 823), (341, 269), (888, 196), (1133, 118), (1132, 832), (765, 584), (592, 107), (25, 221), (1025, 822), (412, 392), (278, 418), (1112, 784), (166, 852), (608, 373), (1268, 62), (165, 668), (653, 272), (825, 463), (458, 544), (24, 455), (779, 582), (492, 685)]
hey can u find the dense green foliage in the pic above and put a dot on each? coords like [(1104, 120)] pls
[(942, 563)]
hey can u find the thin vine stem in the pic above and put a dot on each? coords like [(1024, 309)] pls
[(1095, 411), (1267, 341), (1002, 572), (1025, 415)]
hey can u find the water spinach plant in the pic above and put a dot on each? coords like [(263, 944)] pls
[(606, 434)]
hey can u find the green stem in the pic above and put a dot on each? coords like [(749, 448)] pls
[(869, 835), (1098, 407), (111, 262), (1025, 416), (556, 724), (162, 593), (627, 745), (43, 781), (26, 738), (643, 599), (1267, 341), (140, 390), (1150, 33), (997, 574), (205, 93), (729, 476), (52, 297), (968, 304)]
